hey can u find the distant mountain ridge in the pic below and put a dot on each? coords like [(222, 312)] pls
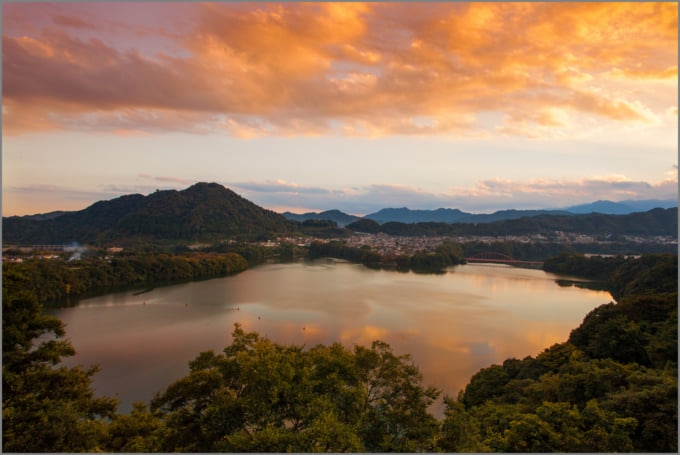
[(43, 216), (446, 215), (655, 222), (211, 212), (406, 215), (622, 207), (441, 215)]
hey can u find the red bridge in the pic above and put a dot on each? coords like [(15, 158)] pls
[(501, 258)]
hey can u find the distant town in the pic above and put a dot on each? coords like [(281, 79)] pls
[(381, 243)]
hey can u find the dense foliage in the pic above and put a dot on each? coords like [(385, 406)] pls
[(53, 280), (642, 327), (336, 216), (446, 254), (45, 407), (565, 401), (612, 386), (260, 396), (322, 229), (578, 265), (522, 251), (365, 225)]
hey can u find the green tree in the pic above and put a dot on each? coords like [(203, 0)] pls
[(529, 433), (261, 396), (396, 417), (605, 431), (138, 431), (485, 385), (652, 399), (364, 225), (460, 430), (45, 407)]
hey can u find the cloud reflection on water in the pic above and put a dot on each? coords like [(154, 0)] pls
[(451, 324)]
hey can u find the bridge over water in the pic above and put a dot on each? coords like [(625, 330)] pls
[(500, 258)]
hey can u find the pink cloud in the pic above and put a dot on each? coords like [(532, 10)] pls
[(305, 68), (486, 195), (70, 21)]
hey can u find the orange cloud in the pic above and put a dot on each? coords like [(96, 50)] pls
[(562, 191), (342, 68), (364, 335)]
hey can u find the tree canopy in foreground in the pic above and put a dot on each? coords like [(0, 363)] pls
[(612, 386)]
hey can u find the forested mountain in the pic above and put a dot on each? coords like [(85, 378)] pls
[(653, 222), (611, 387), (450, 216), (210, 212), (406, 215), (512, 214), (44, 216), (340, 218), (204, 211)]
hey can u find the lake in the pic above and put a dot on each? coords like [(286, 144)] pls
[(452, 324)]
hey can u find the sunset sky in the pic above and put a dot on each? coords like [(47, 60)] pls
[(350, 106)]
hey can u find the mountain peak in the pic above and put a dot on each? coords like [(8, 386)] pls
[(204, 210), (203, 187)]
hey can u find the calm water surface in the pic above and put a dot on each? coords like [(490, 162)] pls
[(452, 324)]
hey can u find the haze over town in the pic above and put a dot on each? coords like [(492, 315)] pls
[(350, 106)]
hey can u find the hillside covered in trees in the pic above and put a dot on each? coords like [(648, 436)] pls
[(653, 222), (202, 212), (59, 280), (612, 386)]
